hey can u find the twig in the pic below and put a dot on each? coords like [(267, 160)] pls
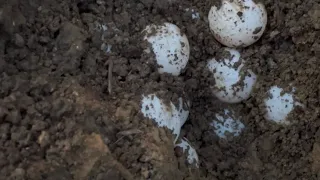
[(277, 13), (110, 67), (130, 132), (118, 140), (127, 133), (110, 76), (1, 15)]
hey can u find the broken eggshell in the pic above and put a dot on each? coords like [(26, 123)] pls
[(226, 123), (194, 13), (170, 46), (165, 115), (232, 83), (192, 156), (279, 105), (238, 23)]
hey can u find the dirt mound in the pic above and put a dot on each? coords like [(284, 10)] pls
[(72, 76)]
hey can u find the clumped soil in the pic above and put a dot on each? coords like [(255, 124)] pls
[(61, 119)]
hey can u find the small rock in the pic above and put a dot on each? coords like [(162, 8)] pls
[(316, 47), (44, 139), (145, 172), (101, 2), (124, 113), (14, 117), (71, 38), (4, 130), (55, 24), (44, 39), (60, 108), (273, 34), (315, 16), (39, 125), (18, 40)]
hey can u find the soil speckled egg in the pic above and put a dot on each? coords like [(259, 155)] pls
[(165, 114), (226, 123), (279, 105), (238, 23), (170, 46), (192, 156), (233, 84)]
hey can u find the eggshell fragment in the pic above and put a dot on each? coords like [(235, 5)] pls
[(227, 124), (195, 14), (170, 47), (232, 83), (192, 156), (238, 23), (279, 105), (163, 114)]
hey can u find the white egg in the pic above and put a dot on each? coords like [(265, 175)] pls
[(238, 23), (279, 105), (227, 123), (192, 155), (170, 47), (165, 115), (232, 83)]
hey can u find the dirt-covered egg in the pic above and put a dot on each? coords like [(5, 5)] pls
[(191, 154), (279, 104), (225, 124), (233, 83), (165, 114), (238, 23), (170, 46)]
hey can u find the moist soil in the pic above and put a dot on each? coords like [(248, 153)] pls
[(72, 73)]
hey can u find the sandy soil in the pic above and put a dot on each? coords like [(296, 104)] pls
[(61, 119)]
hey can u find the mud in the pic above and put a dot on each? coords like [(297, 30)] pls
[(73, 73)]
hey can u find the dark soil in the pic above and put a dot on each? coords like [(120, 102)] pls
[(61, 119)]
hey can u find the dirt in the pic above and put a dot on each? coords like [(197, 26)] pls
[(62, 117)]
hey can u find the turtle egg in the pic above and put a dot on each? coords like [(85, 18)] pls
[(279, 105), (227, 124), (238, 23), (232, 83), (170, 46), (165, 115), (192, 155)]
